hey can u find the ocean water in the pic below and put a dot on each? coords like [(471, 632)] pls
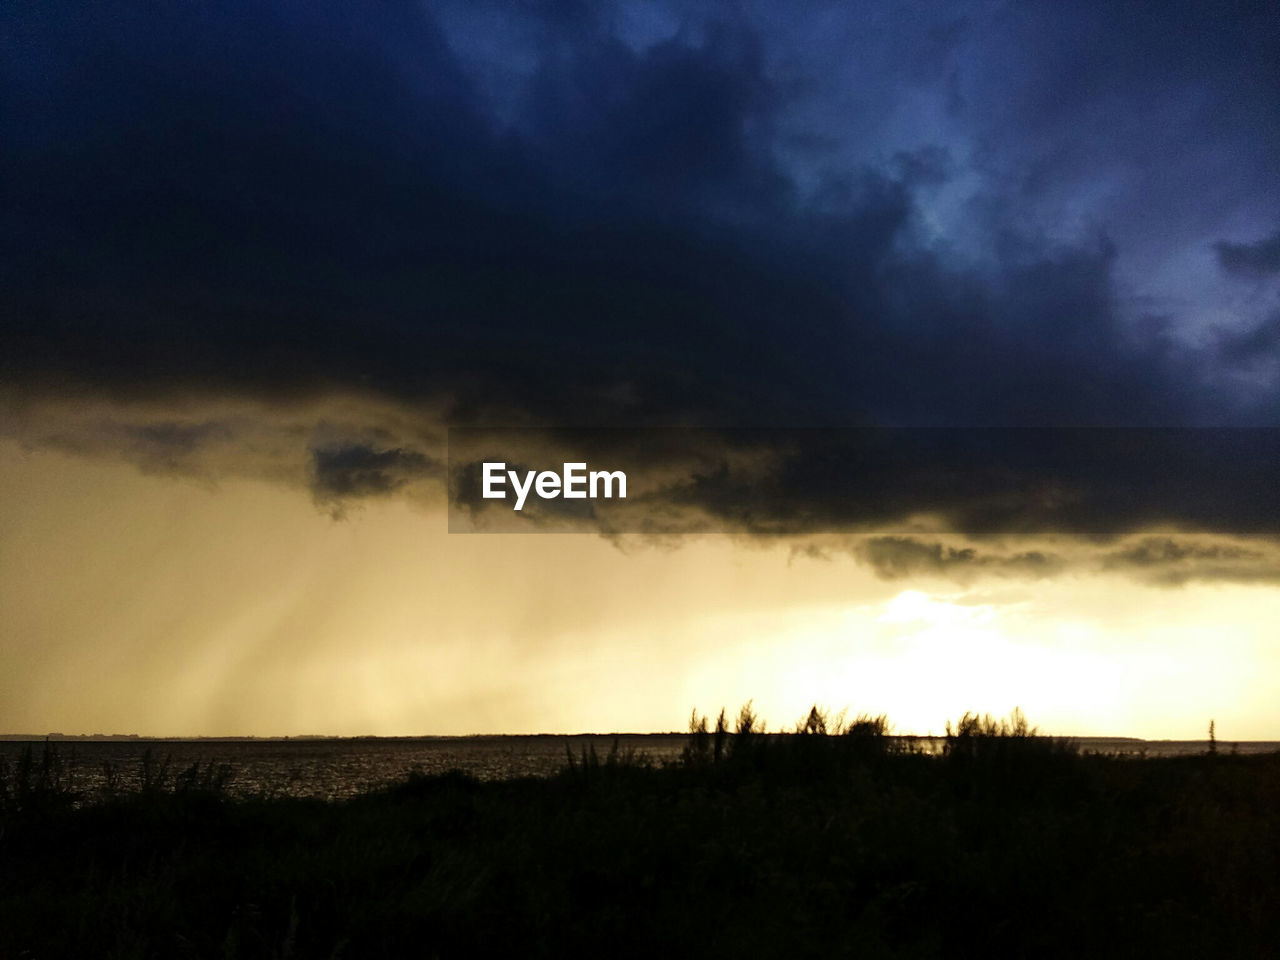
[(337, 768)]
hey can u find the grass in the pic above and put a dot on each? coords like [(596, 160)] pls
[(833, 840)]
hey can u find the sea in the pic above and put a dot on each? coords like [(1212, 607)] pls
[(338, 768)]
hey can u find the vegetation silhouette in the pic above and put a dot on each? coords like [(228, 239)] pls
[(832, 838)]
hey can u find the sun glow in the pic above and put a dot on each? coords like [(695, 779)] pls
[(133, 603)]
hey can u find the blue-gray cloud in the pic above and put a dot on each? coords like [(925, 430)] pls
[(1250, 259)]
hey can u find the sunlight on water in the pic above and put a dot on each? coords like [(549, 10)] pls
[(334, 769)]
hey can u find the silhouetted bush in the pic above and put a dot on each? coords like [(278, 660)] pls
[(1005, 759), (36, 784), (837, 839)]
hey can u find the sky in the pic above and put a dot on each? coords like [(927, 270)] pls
[(261, 261)]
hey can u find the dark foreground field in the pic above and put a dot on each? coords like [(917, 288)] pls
[(807, 845)]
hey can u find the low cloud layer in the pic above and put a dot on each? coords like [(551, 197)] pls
[(895, 558), (982, 481), (1153, 561)]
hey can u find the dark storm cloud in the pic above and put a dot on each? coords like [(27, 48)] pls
[(626, 215), (1250, 259), (1097, 482), (1252, 346), (359, 470)]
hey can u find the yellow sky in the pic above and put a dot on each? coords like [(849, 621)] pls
[(156, 605)]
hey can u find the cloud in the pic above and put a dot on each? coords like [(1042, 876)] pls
[(980, 481), (1254, 345), (1167, 562), (338, 448), (895, 558), (1250, 259), (355, 471), (295, 200), (480, 214), (1159, 561)]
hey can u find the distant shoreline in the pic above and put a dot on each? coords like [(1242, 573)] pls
[(1084, 742)]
